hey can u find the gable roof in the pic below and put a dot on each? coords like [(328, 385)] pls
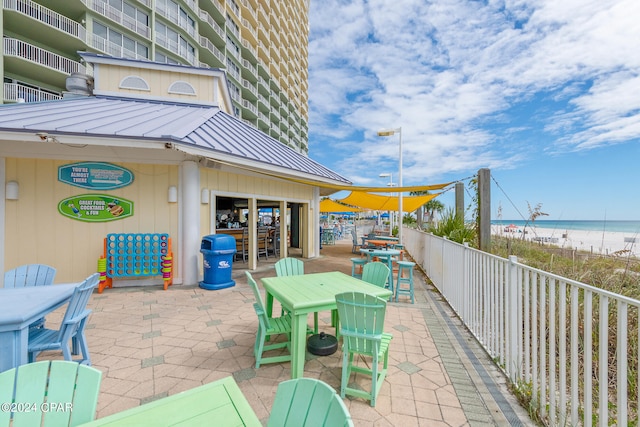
[(199, 130)]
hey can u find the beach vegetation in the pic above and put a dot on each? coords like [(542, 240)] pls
[(454, 228)]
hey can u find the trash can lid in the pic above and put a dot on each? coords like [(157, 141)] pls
[(322, 344), (218, 242)]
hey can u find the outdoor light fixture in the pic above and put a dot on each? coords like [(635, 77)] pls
[(11, 190), (390, 132), (172, 194), (204, 196)]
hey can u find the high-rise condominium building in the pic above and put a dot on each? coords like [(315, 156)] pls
[(262, 45)]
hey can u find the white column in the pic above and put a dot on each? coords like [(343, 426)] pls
[(190, 220)]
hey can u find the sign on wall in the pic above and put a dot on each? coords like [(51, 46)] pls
[(95, 208), (95, 175)]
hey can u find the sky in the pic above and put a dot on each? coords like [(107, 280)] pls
[(544, 93)]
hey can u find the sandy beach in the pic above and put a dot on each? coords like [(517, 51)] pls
[(597, 242)]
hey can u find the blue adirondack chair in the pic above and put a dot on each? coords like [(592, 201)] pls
[(268, 326), (30, 275), (71, 329), (58, 393), (308, 402)]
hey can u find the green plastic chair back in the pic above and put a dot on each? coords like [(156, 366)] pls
[(293, 267), (71, 327), (289, 267), (308, 402), (268, 326), (66, 393), (375, 273), (361, 327), (29, 275)]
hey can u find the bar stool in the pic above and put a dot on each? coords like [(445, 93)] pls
[(358, 262), (405, 266)]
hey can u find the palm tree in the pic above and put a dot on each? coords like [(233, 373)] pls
[(430, 208)]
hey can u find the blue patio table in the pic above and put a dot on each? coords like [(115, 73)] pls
[(19, 307), (219, 403), (310, 293)]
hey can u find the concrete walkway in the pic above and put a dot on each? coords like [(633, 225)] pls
[(151, 343)]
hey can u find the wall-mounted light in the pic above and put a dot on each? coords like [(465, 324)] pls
[(11, 190), (204, 196), (172, 194)]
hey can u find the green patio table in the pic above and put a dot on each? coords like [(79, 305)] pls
[(219, 403), (310, 293)]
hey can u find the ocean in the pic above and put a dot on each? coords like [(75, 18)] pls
[(632, 227)]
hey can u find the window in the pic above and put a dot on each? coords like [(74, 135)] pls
[(134, 82), (182, 88)]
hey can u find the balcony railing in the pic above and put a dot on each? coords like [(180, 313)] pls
[(178, 20), (18, 93), (29, 52), (568, 345), (204, 16), (174, 47), (114, 49), (206, 43), (249, 106), (47, 16), (248, 85), (118, 16)]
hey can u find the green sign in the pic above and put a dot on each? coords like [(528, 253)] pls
[(95, 208), (95, 175)]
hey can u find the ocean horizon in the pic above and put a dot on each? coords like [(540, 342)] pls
[(632, 227)]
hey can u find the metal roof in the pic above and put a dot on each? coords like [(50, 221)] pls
[(205, 128)]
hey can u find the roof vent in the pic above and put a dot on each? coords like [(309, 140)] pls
[(80, 84)]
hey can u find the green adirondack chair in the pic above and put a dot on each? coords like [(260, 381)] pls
[(289, 267), (293, 267), (361, 328), (375, 273), (30, 275), (307, 402), (268, 326), (66, 393)]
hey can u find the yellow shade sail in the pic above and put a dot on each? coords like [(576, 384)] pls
[(386, 203), (328, 205)]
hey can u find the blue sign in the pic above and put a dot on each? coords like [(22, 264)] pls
[(95, 175)]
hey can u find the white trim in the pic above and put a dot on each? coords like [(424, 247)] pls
[(3, 207)]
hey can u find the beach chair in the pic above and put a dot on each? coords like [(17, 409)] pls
[(268, 326), (361, 327), (30, 275), (308, 402), (71, 329), (58, 393)]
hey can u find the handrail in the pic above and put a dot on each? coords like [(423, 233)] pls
[(544, 330)]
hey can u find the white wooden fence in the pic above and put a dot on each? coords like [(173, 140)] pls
[(572, 346)]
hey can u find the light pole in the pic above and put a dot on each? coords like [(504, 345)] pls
[(390, 184), (389, 132)]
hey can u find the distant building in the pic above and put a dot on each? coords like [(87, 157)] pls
[(261, 44)]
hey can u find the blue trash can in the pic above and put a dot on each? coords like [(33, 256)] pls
[(217, 252)]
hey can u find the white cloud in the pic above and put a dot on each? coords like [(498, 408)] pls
[(448, 71)]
